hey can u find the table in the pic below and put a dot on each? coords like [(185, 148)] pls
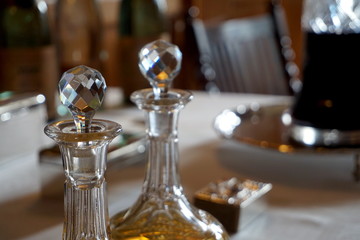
[(314, 196)]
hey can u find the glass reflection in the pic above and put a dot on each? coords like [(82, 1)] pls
[(227, 122)]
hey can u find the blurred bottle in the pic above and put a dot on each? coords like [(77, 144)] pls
[(79, 33), (27, 53), (140, 22), (325, 111)]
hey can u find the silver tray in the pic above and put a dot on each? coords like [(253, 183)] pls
[(265, 126), (268, 127)]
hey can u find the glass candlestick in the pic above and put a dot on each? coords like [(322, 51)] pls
[(83, 144), (162, 211)]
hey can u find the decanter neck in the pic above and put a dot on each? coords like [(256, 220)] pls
[(162, 119), (86, 210), (162, 169), (84, 161)]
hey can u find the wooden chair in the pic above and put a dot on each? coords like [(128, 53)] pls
[(251, 54)]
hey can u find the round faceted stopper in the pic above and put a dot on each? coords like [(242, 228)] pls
[(82, 89), (160, 62)]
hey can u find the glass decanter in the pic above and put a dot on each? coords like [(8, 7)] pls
[(83, 144), (324, 112), (162, 211)]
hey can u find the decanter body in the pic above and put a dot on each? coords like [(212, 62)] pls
[(162, 211)]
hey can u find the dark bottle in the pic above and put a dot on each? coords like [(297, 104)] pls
[(325, 110), (79, 33), (140, 22), (27, 52)]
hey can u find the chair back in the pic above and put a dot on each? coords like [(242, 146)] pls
[(250, 54)]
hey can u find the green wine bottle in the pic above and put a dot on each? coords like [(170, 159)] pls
[(140, 22), (28, 61)]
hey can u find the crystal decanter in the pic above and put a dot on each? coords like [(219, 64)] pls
[(162, 211), (324, 113), (83, 144)]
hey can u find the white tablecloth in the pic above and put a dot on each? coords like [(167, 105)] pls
[(314, 196)]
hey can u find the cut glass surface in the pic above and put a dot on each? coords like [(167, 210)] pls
[(160, 62), (82, 89)]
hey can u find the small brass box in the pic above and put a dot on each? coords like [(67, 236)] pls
[(234, 203)]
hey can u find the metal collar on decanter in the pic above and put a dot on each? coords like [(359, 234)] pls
[(173, 99), (100, 130)]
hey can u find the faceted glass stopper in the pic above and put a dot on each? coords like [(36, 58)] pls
[(160, 62), (82, 90)]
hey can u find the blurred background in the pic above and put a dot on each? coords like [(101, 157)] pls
[(178, 16), (107, 35)]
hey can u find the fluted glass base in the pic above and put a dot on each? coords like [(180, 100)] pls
[(86, 213)]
